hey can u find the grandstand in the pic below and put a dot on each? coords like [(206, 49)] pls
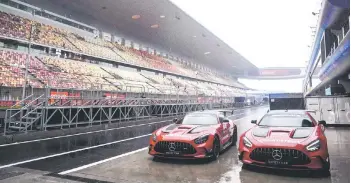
[(47, 60)]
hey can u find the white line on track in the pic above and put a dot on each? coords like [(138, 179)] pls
[(115, 157), (97, 131), (102, 161), (92, 147), (68, 152), (44, 139)]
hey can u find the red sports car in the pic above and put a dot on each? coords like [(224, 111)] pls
[(200, 134), (289, 139)]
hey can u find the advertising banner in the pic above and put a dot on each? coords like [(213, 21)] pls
[(279, 72), (6, 103), (114, 95), (63, 96)]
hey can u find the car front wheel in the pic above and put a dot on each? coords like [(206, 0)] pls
[(216, 149), (234, 138)]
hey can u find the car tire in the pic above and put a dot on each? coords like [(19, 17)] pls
[(245, 166), (234, 138), (156, 159), (216, 148), (324, 171), (326, 167)]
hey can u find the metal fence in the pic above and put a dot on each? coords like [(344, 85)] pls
[(47, 112)]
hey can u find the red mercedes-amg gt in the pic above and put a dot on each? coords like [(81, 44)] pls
[(198, 135), (289, 139)]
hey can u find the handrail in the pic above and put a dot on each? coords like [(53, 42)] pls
[(33, 109), (21, 101), (20, 110), (24, 107), (27, 105)]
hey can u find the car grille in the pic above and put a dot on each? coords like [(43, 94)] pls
[(184, 148), (294, 157)]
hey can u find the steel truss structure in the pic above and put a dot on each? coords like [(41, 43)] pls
[(44, 113)]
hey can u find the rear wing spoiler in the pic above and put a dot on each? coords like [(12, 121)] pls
[(309, 111), (227, 112)]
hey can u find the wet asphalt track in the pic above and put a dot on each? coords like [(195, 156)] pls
[(47, 159)]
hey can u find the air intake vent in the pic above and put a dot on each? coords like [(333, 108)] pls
[(184, 148), (184, 128), (294, 157)]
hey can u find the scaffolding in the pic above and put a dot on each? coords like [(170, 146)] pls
[(47, 112)]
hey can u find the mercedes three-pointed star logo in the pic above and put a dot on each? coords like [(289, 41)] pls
[(172, 146), (277, 155)]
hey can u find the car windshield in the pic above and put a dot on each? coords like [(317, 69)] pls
[(286, 120), (200, 119)]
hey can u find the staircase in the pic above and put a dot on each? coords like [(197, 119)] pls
[(28, 117), (114, 46), (155, 87), (154, 81), (112, 74), (66, 37)]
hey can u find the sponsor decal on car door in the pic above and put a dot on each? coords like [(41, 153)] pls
[(225, 130)]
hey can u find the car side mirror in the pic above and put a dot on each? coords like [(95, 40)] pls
[(322, 122), (253, 121), (225, 121), (175, 120)]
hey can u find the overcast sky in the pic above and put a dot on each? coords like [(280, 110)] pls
[(269, 33)]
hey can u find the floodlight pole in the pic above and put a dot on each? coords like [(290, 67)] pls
[(27, 62)]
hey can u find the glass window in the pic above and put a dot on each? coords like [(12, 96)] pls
[(286, 120), (200, 119), (4, 2), (13, 4), (38, 13), (22, 7), (65, 22)]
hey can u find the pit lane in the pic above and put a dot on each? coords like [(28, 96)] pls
[(127, 161)]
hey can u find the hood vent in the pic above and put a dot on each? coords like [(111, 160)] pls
[(198, 129), (302, 133), (171, 127), (183, 128), (260, 132)]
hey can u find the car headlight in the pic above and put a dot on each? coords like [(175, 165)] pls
[(314, 146), (201, 140), (247, 142), (154, 137)]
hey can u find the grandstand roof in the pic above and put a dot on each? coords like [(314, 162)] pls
[(176, 31)]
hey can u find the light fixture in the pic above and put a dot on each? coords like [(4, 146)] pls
[(135, 17), (162, 16), (206, 53), (194, 36), (154, 26)]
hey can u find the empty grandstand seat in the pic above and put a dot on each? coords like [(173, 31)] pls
[(65, 73)]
